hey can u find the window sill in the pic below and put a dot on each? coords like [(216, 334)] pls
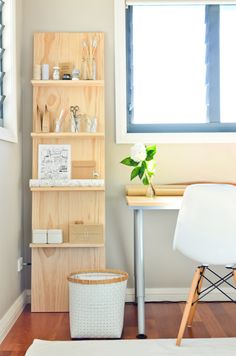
[(8, 135), (175, 138)]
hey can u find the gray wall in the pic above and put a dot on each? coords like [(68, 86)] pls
[(11, 232), (175, 163)]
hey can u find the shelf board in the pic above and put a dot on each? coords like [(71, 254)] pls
[(65, 245), (67, 83), (66, 189), (67, 134)]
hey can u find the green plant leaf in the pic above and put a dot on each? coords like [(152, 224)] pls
[(151, 148), (142, 169), (145, 181), (151, 151), (134, 173), (129, 162), (150, 174)]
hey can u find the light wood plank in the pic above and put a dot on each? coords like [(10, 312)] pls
[(76, 135), (86, 149), (164, 202), (89, 99), (56, 210), (64, 245), (67, 83), (60, 47), (50, 269), (66, 189)]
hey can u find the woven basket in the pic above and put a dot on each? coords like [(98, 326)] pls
[(96, 303)]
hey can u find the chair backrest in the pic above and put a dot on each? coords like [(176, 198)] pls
[(206, 224)]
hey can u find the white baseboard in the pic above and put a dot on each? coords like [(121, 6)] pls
[(12, 315), (168, 295), (177, 295), (151, 295), (28, 296)]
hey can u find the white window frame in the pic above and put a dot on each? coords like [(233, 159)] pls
[(122, 136), (11, 67)]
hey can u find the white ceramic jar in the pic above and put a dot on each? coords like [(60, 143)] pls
[(56, 73)]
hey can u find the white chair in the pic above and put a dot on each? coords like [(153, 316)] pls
[(206, 233)]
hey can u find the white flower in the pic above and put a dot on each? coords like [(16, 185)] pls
[(151, 165), (138, 152)]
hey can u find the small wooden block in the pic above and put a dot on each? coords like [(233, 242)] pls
[(83, 169), (86, 233)]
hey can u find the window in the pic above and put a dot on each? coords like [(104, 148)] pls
[(9, 69), (179, 68)]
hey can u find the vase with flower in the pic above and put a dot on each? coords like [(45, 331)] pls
[(142, 159)]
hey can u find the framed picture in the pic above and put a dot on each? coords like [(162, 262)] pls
[(54, 161)]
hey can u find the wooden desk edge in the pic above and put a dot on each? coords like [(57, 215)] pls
[(158, 201)]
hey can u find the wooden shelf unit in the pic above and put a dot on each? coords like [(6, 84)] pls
[(57, 207)]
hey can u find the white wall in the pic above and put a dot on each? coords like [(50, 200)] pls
[(176, 163), (11, 232)]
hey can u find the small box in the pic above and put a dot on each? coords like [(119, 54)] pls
[(87, 234), (39, 236), (83, 169), (55, 236), (65, 68)]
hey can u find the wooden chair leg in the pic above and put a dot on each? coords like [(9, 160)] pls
[(188, 305), (194, 306), (234, 274)]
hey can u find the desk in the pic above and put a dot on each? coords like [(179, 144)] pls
[(138, 204)]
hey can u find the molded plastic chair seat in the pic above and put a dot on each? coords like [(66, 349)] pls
[(206, 232)]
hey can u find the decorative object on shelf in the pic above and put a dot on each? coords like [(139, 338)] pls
[(142, 159), (95, 175), (75, 119), (54, 161), (66, 76), (65, 68), (45, 71), (91, 124), (40, 118), (88, 66), (91, 69), (56, 73), (34, 183), (75, 74), (55, 236), (37, 72), (85, 233), (46, 120), (83, 169), (40, 236), (60, 120)]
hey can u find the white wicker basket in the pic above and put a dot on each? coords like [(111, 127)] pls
[(96, 303)]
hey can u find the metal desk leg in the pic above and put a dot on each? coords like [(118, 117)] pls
[(139, 271)]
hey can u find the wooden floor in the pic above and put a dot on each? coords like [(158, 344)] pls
[(162, 321)]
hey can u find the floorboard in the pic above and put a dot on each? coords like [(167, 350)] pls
[(162, 321)]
